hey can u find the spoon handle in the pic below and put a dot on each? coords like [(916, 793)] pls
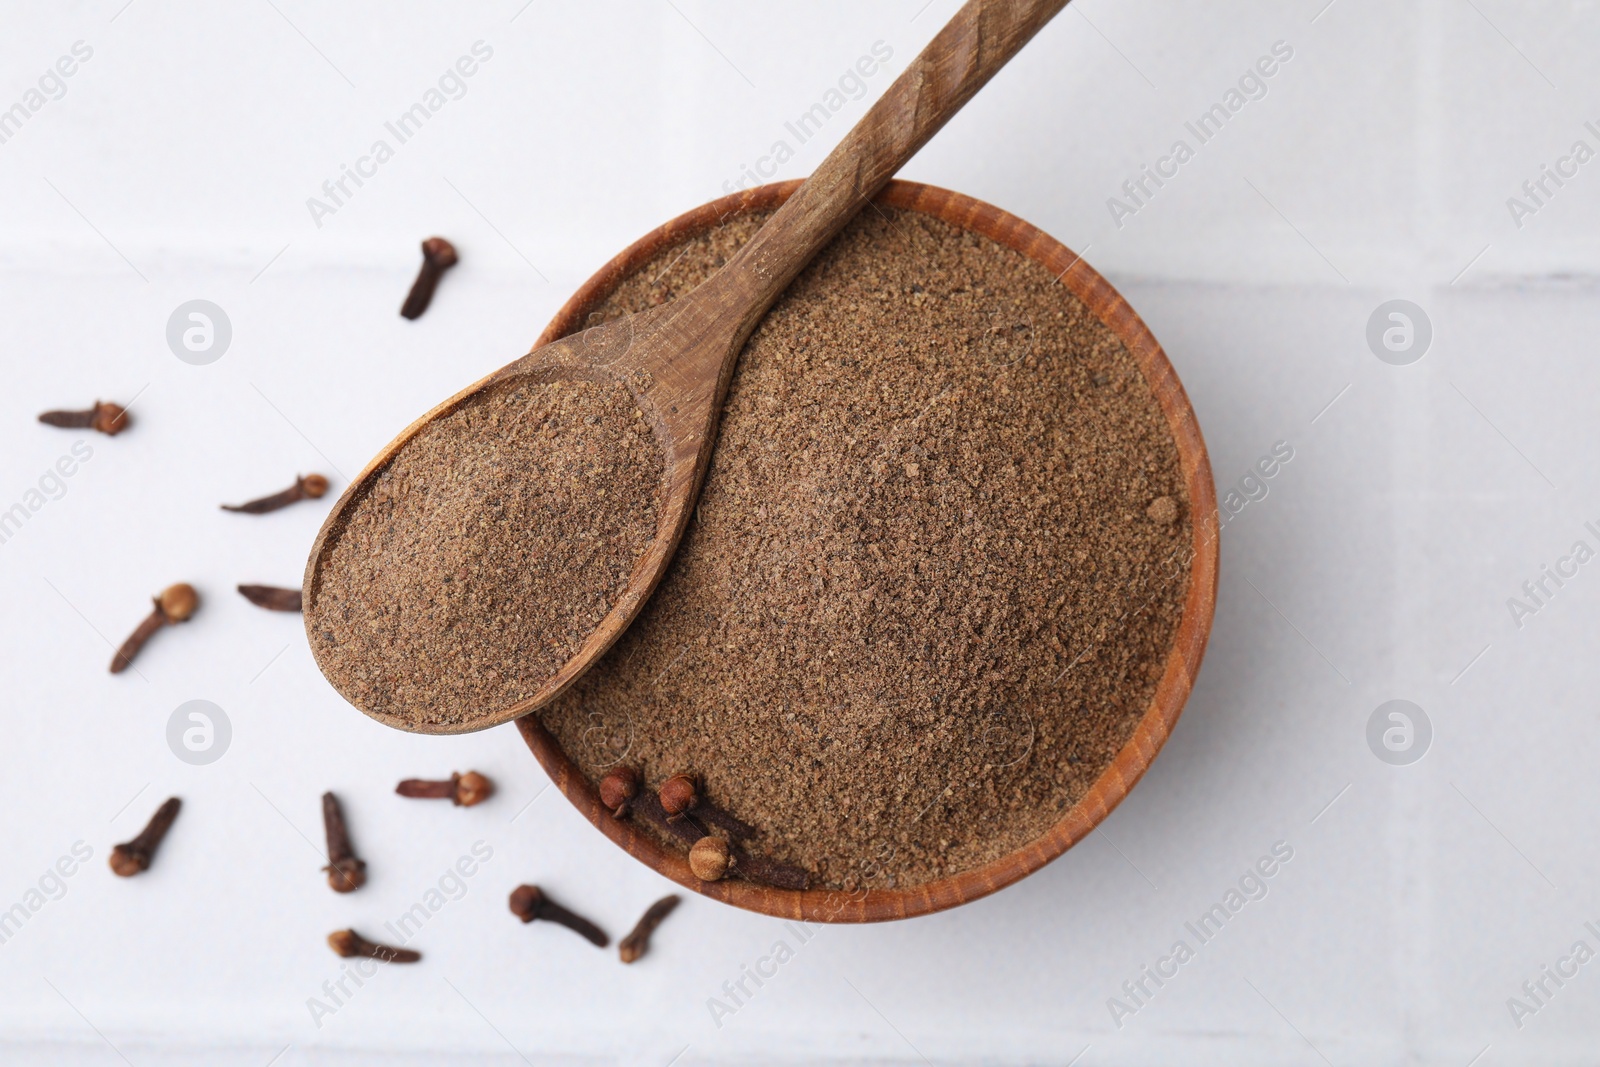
[(960, 60)]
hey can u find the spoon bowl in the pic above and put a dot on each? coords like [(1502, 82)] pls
[(653, 355)]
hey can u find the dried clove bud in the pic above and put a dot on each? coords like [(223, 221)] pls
[(618, 788), (311, 487), (271, 597), (177, 603), (131, 857), (680, 796), (105, 417), (348, 944), (528, 902), (711, 859), (438, 256), (714, 858), (346, 873), (464, 790), (637, 943)]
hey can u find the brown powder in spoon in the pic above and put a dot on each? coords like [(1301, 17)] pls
[(939, 559), (488, 550)]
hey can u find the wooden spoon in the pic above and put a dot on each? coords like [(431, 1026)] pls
[(678, 359)]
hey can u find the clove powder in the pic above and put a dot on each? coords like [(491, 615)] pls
[(939, 559), (488, 549)]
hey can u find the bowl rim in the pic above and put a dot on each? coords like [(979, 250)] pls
[(1183, 657)]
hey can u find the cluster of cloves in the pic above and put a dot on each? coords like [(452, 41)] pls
[(679, 809), (177, 603), (346, 872), (529, 902)]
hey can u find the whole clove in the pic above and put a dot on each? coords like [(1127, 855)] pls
[(464, 790), (680, 796), (105, 417), (637, 943), (132, 857), (529, 902), (713, 858), (346, 873), (311, 487), (177, 603), (271, 597), (438, 256), (349, 944)]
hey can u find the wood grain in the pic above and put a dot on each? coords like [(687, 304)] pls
[(1183, 658)]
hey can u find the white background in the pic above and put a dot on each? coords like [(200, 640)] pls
[(178, 165)]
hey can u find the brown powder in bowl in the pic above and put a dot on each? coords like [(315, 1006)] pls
[(928, 592), (490, 547)]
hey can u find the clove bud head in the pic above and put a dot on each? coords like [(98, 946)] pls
[(617, 788), (710, 859), (346, 874), (526, 902), (314, 486), (439, 252), (472, 788), (109, 418), (178, 602), (678, 795)]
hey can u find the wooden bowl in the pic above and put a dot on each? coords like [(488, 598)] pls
[(1183, 658)]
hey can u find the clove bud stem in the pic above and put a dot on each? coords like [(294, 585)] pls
[(637, 943), (271, 597)]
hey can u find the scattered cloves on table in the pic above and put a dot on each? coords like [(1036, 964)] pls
[(271, 597), (528, 902), (310, 487), (438, 256), (346, 873), (714, 858), (637, 943), (175, 604), (105, 417), (680, 796), (131, 857), (464, 790), (348, 944)]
